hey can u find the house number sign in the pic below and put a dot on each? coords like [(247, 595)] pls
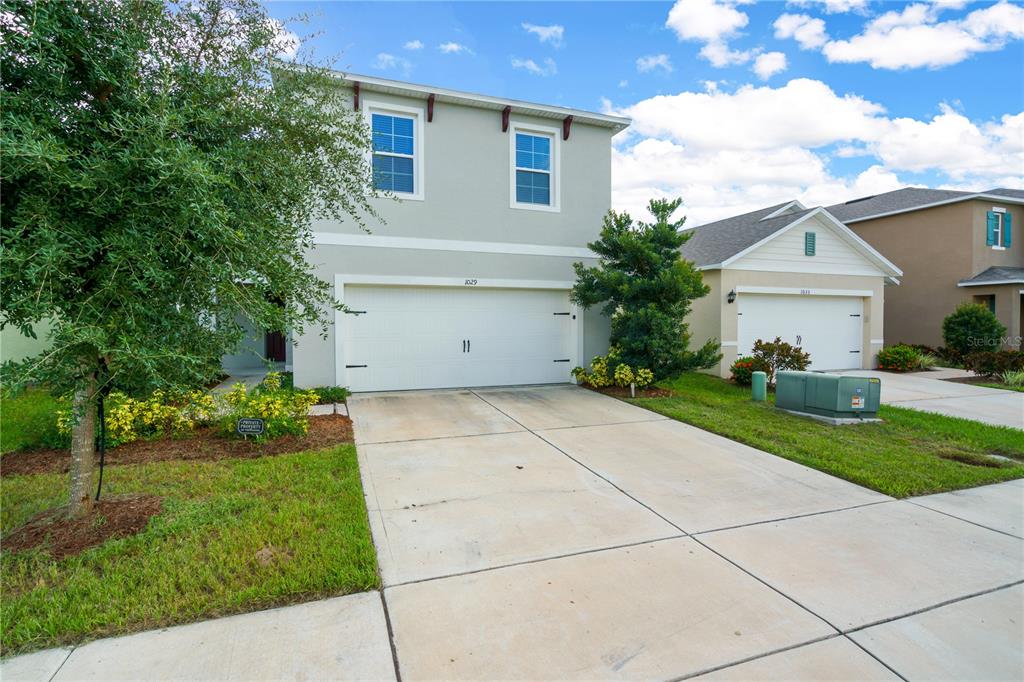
[(470, 282)]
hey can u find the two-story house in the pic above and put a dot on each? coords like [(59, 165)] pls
[(952, 247), (466, 280)]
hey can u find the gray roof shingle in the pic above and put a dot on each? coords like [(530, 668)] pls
[(996, 273), (899, 200), (907, 199), (716, 242)]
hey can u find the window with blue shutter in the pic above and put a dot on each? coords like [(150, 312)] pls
[(533, 169), (809, 243), (998, 229), (394, 153)]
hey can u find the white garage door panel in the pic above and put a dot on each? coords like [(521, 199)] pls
[(412, 337), (830, 328)]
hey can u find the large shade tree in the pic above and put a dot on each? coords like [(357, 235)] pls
[(646, 287), (160, 173)]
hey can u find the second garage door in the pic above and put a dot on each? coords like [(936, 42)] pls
[(398, 337), (830, 328)]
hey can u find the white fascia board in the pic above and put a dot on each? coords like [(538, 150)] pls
[(425, 244), (997, 282), (793, 204), (944, 202), (618, 123)]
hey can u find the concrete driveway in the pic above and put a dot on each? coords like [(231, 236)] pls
[(552, 533), (928, 391)]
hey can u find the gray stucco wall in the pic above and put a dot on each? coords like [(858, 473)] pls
[(467, 195)]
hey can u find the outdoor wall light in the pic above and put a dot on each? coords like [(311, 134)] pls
[(732, 296)]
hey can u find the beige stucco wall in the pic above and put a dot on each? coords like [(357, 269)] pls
[(936, 248), (724, 281)]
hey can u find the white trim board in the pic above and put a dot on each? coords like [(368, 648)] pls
[(795, 291), (425, 244), (998, 282), (340, 280)]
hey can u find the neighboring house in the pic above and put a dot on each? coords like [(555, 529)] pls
[(791, 272), (16, 346), (466, 282), (953, 247)]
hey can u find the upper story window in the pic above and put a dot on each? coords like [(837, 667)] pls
[(397, 149), (534, 171), (998, 228)]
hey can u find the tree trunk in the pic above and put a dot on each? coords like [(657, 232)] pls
[(83, 448)]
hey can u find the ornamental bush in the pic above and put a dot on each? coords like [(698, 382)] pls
[(772, 357), (899, 358), (995, 363), (608, 370), (972, 327), (743, 370), (285, 412)]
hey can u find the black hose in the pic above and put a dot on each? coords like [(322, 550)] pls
[(102, 442)]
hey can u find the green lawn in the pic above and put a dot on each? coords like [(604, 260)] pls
[(28, 420), (233, 536), (1005, 387), (910, 453)]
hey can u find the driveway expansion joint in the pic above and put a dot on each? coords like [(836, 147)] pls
[(960, 518)]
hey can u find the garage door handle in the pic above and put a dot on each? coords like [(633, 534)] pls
[(469, 345), (463, 345)]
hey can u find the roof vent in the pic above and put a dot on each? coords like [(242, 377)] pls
[(854, 201)]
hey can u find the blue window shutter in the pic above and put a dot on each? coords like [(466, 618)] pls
[(1006, 229), (990, 234), (809, 243)]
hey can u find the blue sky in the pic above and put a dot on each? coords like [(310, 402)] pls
[(735, 104)]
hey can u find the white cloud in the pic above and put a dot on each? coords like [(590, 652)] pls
[(623, 83), (912, 37), (549, 67), (389, 62), (654, 61), (454, 48), (707, 148), (835, 6), (414, 45), (286, 42), (546, 34), (712, 22), (768, 64), (809, 32)]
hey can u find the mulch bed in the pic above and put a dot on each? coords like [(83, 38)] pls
[(61, 536), (202, 444), (623, 392)]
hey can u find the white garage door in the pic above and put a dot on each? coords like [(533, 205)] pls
[(401, 338), (830, 328)]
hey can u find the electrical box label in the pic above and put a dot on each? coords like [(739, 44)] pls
[(857, 402)]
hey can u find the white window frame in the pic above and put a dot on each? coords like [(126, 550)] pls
[(554, 173), (371, 107), (999, 244)]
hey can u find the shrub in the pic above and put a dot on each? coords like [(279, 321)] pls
[(972, 327), (1013, 378), (899, 358), (285, 412), (331, 394), (743, 370), (926, 362), (129, 419), (772, 357), (606, 370), (995, 363), (624, 375)]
